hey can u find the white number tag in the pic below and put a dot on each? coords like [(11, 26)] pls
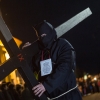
[(46, 67)]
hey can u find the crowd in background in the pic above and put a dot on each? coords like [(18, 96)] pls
[(9, 91), (89, 86)]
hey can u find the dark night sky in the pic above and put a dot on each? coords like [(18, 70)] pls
[(21, 15)]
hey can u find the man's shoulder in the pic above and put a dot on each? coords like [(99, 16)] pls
[(63, 41)]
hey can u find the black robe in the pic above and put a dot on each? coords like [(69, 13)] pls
[(62, 77)]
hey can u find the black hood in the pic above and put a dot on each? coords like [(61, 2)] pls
[(48, 29)]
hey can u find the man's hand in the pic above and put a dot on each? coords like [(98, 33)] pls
[(26, 45), (39, 89)]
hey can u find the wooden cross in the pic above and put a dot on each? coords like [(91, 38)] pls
[(18, 58)]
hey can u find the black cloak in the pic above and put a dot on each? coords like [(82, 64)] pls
[(62, 77)]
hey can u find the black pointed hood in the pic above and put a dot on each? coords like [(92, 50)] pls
[(48, 29)]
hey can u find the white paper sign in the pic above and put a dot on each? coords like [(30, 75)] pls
[(46, 67)]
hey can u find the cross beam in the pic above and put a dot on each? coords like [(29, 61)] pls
[(72, 22), (17, 60)]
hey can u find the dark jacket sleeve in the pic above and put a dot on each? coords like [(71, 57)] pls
[(62, 71)]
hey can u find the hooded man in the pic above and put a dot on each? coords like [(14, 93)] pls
[(55, 65)]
